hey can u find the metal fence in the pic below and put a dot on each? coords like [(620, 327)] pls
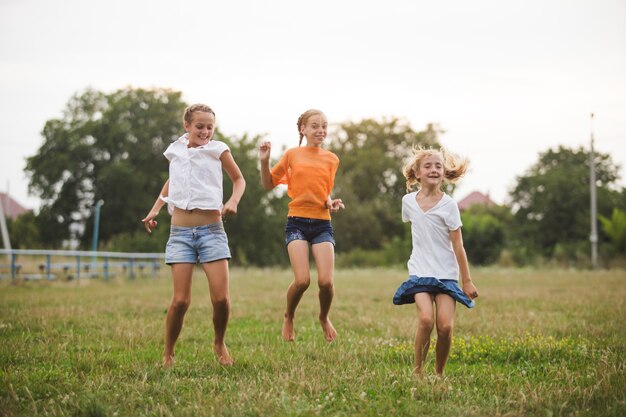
[(52, 264)]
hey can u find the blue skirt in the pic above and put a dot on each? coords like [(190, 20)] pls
[(406, 292)]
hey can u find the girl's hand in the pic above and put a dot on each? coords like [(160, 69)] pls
[(149, 223), (229, 209), (264, 150), (470, 290), (335, 205)]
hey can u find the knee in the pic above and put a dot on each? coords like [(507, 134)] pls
[(181, 304), (326, 285), (221, 303), (302, 284), (444, 330), (426, 323)]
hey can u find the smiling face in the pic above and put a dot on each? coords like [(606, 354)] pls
[(315, 129), (200, 128), (430, 171)]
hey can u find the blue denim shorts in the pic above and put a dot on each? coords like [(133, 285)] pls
[(200, 243), (312, 230)]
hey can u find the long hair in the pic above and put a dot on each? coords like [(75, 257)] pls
[(454, 166)]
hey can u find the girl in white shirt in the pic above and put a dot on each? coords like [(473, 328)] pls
[(438, 255), (194, 196)]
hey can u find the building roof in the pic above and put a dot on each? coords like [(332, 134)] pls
[(11, 208), (475, 197)]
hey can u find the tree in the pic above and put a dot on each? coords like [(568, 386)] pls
[(615, 229), (105, 147), (485, 232), (24, 231), (551, 201), (370, 181)]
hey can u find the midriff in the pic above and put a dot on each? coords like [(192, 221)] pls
[(195, 217)]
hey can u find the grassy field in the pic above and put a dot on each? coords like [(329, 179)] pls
[(539, 343)]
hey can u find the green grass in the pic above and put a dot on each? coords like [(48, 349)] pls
[(539, 343)]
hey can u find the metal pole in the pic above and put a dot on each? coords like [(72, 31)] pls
[(106, 268), (3, 224), (5, 233), (48, 267), (96, 230), (96, 226), (593, 238), (13, 265)]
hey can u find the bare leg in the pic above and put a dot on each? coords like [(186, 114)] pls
[(217, 275), (324, 254), (445, 322), (299, 256), (181, 278), (426, 318)]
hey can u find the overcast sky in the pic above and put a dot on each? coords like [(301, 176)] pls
[(506, 80)]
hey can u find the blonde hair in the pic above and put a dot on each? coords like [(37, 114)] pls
[(454, 167), (304, 117), (188, 115)]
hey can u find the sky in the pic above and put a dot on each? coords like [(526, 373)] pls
[(505, 80)]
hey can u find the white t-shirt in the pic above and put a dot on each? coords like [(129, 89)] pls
[(432, 254), (195, 175)]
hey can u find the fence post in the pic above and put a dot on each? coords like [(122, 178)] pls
[(77, 267), (13, 267), (131, 274), (106, 268), (48, 274)]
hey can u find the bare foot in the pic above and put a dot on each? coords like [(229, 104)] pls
[(287, 332), (168, 361), (223, 356), (329, 331)]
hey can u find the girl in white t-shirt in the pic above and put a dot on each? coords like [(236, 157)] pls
[(194, 196), (438, 254)]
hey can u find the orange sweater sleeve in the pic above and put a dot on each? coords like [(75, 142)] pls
[(280, 171)]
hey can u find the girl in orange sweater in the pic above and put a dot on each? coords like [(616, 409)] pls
[(309, 172)]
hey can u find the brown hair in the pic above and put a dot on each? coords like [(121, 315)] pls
[(188, 115), (304, 117), (454, 167)]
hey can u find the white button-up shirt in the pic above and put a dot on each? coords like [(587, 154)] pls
[(195, 175)]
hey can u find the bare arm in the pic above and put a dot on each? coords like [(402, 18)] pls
[(239, 183), (264, 155), (461, 257), (148, 222)]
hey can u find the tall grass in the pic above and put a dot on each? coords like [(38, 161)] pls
[(539, 343)]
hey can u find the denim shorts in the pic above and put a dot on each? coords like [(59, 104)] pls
[(312, 230), (200, 243)]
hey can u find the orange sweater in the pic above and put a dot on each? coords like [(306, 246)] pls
[(309, 173)]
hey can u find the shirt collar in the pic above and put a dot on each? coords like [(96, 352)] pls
[(184, 139)]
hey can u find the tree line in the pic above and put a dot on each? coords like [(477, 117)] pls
[(110, 147)]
